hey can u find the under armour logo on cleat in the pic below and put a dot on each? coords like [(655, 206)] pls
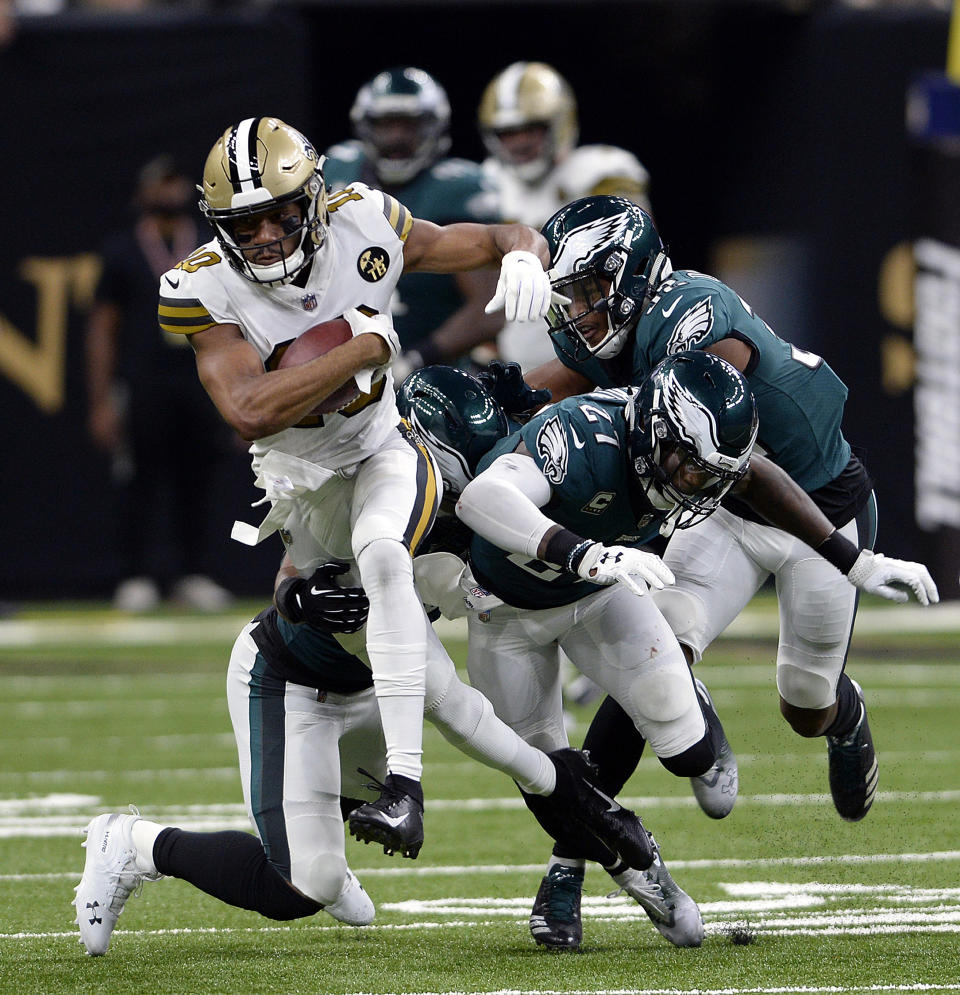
[(94, 918)]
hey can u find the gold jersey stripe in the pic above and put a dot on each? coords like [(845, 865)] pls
[(425, 511), (183, 316), (399, 218), (619, 186)]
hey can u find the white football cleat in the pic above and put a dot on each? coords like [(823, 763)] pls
[(110, 876), (674, 913), (353, 905), (716, 790)]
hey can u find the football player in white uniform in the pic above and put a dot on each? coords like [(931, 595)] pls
[(354, 484), (529, 125)]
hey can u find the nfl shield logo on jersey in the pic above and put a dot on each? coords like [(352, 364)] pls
[(309, 302)]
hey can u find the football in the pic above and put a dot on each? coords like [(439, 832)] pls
[(318, 341)]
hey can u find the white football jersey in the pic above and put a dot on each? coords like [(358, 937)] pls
[(588, 170), (358, 265)]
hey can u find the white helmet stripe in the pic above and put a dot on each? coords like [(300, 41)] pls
[(243, 155), (508, 86)]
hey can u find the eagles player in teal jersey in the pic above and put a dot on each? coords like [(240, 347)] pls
[(401, 120), (310, 741), (559, 508), (629, 309)]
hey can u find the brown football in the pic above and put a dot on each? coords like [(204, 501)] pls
[(318, 341)]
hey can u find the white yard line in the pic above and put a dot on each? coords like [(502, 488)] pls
[(721, 863), (224, 628), (47, 817)]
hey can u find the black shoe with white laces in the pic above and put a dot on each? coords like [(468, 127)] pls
[(579, 797), (395, 819), (853, 767), (555, 918)]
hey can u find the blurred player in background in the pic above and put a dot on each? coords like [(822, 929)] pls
[(352, 484), (146, 409), (401, 124), (529, 125)]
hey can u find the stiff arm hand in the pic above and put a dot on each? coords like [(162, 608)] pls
[(523, 290)]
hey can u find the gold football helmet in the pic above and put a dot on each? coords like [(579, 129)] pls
[(259, 165), (524, 95)]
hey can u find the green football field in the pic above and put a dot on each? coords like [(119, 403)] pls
[(98, 711)]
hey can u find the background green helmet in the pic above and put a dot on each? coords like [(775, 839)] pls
[(703, 404), (403, 92), (606, 256), (457, 418)]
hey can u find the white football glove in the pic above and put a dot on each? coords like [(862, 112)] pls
[(633, 568), (523, 290), (879, 574), (373, 324)]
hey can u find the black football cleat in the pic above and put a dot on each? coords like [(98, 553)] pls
[(395, 819), (579, 797), (853, 768), (555, 917)]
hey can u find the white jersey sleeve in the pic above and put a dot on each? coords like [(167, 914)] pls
[(603, 169)]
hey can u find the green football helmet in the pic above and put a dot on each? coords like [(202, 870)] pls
[(607, 258), (701, 405), (402, 116), (457, 418)]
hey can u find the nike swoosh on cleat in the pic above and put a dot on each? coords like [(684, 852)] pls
[(394, 820), (668, 311), (612, 805)]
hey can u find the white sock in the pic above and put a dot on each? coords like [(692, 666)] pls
[(144, 834), (397, 648), (575, 862)]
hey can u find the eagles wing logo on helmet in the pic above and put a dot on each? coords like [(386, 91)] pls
[(696, 425), (693, 327), (693, 422), (577, 247), (553, 449)]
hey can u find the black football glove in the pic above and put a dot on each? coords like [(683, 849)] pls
[(320, 602), (513, 394)]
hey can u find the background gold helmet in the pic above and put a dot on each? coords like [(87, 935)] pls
[(525, 94), (259, 165)]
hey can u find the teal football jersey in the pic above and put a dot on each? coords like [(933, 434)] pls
[(309, 656), (449, 191), (580, 446), (800, 399)]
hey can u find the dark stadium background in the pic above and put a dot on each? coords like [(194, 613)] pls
[(774, 135)]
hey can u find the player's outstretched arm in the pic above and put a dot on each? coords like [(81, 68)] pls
[(523, 290), (781, 501)]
